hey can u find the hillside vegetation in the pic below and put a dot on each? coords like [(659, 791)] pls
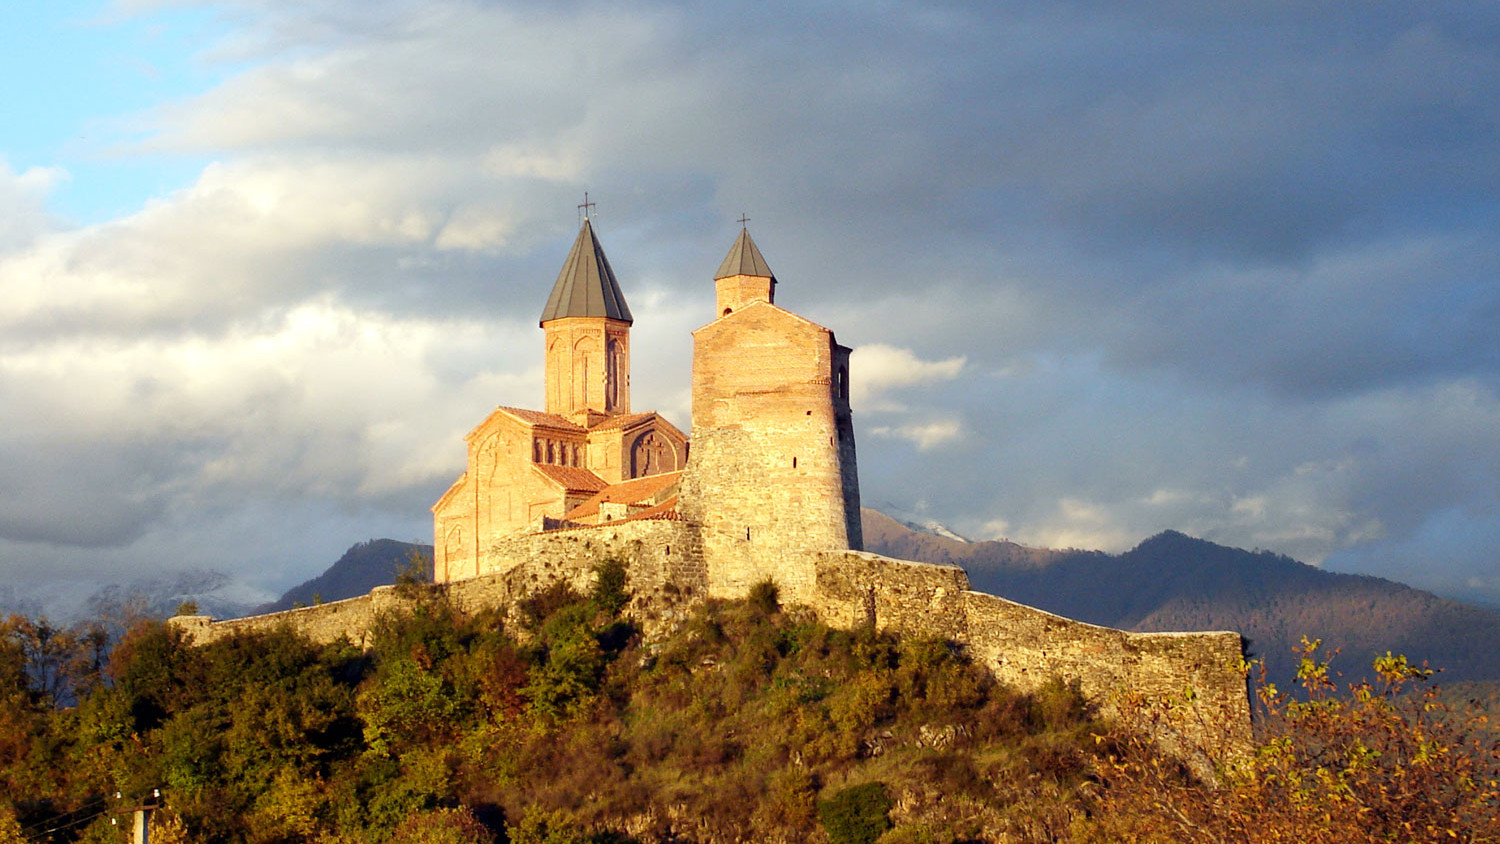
[(750, 723)]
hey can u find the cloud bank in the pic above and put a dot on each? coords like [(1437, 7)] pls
[(1108, 270)]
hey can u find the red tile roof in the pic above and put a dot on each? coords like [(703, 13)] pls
[(536, 417), (626, 492), (622, 421), (664, 512), (571, 479)]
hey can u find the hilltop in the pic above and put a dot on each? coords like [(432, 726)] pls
[(749, 722)]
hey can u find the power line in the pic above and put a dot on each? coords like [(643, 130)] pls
[(65, 821)]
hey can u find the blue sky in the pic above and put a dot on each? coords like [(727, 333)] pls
[(75, 75), (1109, 270)]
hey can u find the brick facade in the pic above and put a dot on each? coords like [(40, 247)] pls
[(768, 491)]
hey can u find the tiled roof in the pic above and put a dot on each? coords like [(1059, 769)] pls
[(665, 510), (624, 420), (537, 417), (744, 259), (570, 478), (586, 287), (626, 492)]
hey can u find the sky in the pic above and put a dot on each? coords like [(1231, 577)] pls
[(1108, 269)]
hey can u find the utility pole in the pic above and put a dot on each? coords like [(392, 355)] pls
[(142, 826)]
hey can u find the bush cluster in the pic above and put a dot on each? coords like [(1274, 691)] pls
[(751, 722)]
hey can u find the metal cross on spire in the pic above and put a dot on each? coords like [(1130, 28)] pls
[(583, 210), (744, 218)]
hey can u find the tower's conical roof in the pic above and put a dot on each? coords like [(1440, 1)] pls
[(744, 259), (586, 287)]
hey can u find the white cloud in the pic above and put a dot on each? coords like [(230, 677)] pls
[(1079, 523), (927, 435), (323, 402), (23, 214), (1148, 333), (879, 369)]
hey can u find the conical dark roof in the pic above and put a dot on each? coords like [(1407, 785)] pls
[(586, 287), (744, 259)]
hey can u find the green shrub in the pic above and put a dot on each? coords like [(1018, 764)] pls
[(540, 827), (609, 590), (857, 814), (444, 826), (765, 598)]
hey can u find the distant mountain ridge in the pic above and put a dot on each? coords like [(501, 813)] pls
[(363, 567), (1169, 582), (1175, 582), (919, 522)]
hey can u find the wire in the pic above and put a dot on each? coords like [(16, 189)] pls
[(36, 828), (87, 804)]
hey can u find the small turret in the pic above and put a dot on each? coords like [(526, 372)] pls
[(744, 277)]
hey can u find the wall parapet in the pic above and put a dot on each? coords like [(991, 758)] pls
[(351, 618), (860, 588), (663, 564), (1199, 673)]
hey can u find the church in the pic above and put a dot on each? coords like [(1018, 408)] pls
[(765, 489), (773, 436)]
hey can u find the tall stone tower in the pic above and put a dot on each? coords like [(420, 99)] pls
[(587, 325), (772, 476)]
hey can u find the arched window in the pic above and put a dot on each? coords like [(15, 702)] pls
[(612, 375), (587, 392)]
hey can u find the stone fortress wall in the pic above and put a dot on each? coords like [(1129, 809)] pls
[(770, 491), (1021, 646)]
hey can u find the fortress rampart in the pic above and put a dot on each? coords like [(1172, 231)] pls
[(1021, 646), (769, 490)]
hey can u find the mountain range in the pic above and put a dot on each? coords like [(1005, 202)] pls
[(1173, 582), (1169, 582), (363, 567)]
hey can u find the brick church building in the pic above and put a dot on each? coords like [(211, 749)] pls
[(773, 437)]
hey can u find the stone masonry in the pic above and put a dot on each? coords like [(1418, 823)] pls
[(769, 490)]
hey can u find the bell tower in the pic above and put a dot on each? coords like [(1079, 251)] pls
[(743, 277), (587, 325)]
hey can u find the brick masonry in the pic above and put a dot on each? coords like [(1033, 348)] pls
[(1024, 647), (770, 492)]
